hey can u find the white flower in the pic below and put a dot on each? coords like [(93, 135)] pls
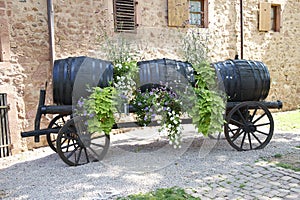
[(119, 65)]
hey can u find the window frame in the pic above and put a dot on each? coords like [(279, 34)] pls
[(275, 22), (202, 12)]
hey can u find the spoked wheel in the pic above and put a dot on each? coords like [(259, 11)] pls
[(56, 123), (76, 146), (249, 126)]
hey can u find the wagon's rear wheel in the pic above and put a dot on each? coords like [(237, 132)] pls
[(249, 126), (76, 146), (56, 123)]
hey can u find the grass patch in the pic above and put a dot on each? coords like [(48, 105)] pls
[(287, 121), (288, 166), (242, 186), (298, 147), (173, 193), (278, 155)]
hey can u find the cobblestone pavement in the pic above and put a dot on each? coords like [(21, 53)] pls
[(259, 181), (222, 173)]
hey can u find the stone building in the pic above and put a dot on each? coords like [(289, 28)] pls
[(270, 32)]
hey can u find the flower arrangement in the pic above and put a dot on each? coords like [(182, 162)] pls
[(98, 109), (163, 105), (204, 103)]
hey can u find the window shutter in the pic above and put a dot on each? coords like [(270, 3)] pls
[(125, 19), (178, 12), (264, 16)]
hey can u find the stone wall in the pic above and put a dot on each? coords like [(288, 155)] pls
[(154, 39), (11, 81), (83, 27)]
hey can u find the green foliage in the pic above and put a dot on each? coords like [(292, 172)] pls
[(278, 155), (209, 101), (99, 109), (288, 166), (173, 193), (126, 68), (207, 114)]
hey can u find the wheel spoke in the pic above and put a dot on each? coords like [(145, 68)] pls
[(236, 136), (92, 150), (79, 155), (243, 140), (253, 114), (100, 136), (249, 138), (259, 118), (237, 122), (69, 145), (262, 124), (98, 145), (72, 152), (241, 115), (262, 132), (256, 138), (86, 155)]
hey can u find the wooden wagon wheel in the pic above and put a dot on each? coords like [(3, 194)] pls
[(249, 126), (76, 146), (56, 122)]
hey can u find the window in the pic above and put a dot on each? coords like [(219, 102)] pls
[(269, 17), (196, 12), (275, 18), (193, 12), (125, 15)]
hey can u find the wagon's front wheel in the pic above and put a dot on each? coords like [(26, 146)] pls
[(76, 146), (249, 126), (56, 123)]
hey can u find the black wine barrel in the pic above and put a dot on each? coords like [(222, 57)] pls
[(72, 76), (244, 80), (153, 73)]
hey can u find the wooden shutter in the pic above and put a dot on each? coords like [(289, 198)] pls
[(124, 13), (178, 12), (264, 16)]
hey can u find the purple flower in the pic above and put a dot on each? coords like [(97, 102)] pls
[(80, 103), (84, 113), (92, 115), (139, 103), (146, 108), (151, 93)]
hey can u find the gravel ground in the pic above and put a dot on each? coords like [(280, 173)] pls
[(134, 164)]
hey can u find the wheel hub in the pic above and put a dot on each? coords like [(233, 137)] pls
[(249, 127)]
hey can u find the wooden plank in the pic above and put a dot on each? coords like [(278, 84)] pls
[(264, 16), (178, 13)]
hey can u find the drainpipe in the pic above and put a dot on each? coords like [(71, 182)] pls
[(242, 29), (50, 12)]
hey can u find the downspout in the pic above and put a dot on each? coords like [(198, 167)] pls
[(242, 29), (50, 12)]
